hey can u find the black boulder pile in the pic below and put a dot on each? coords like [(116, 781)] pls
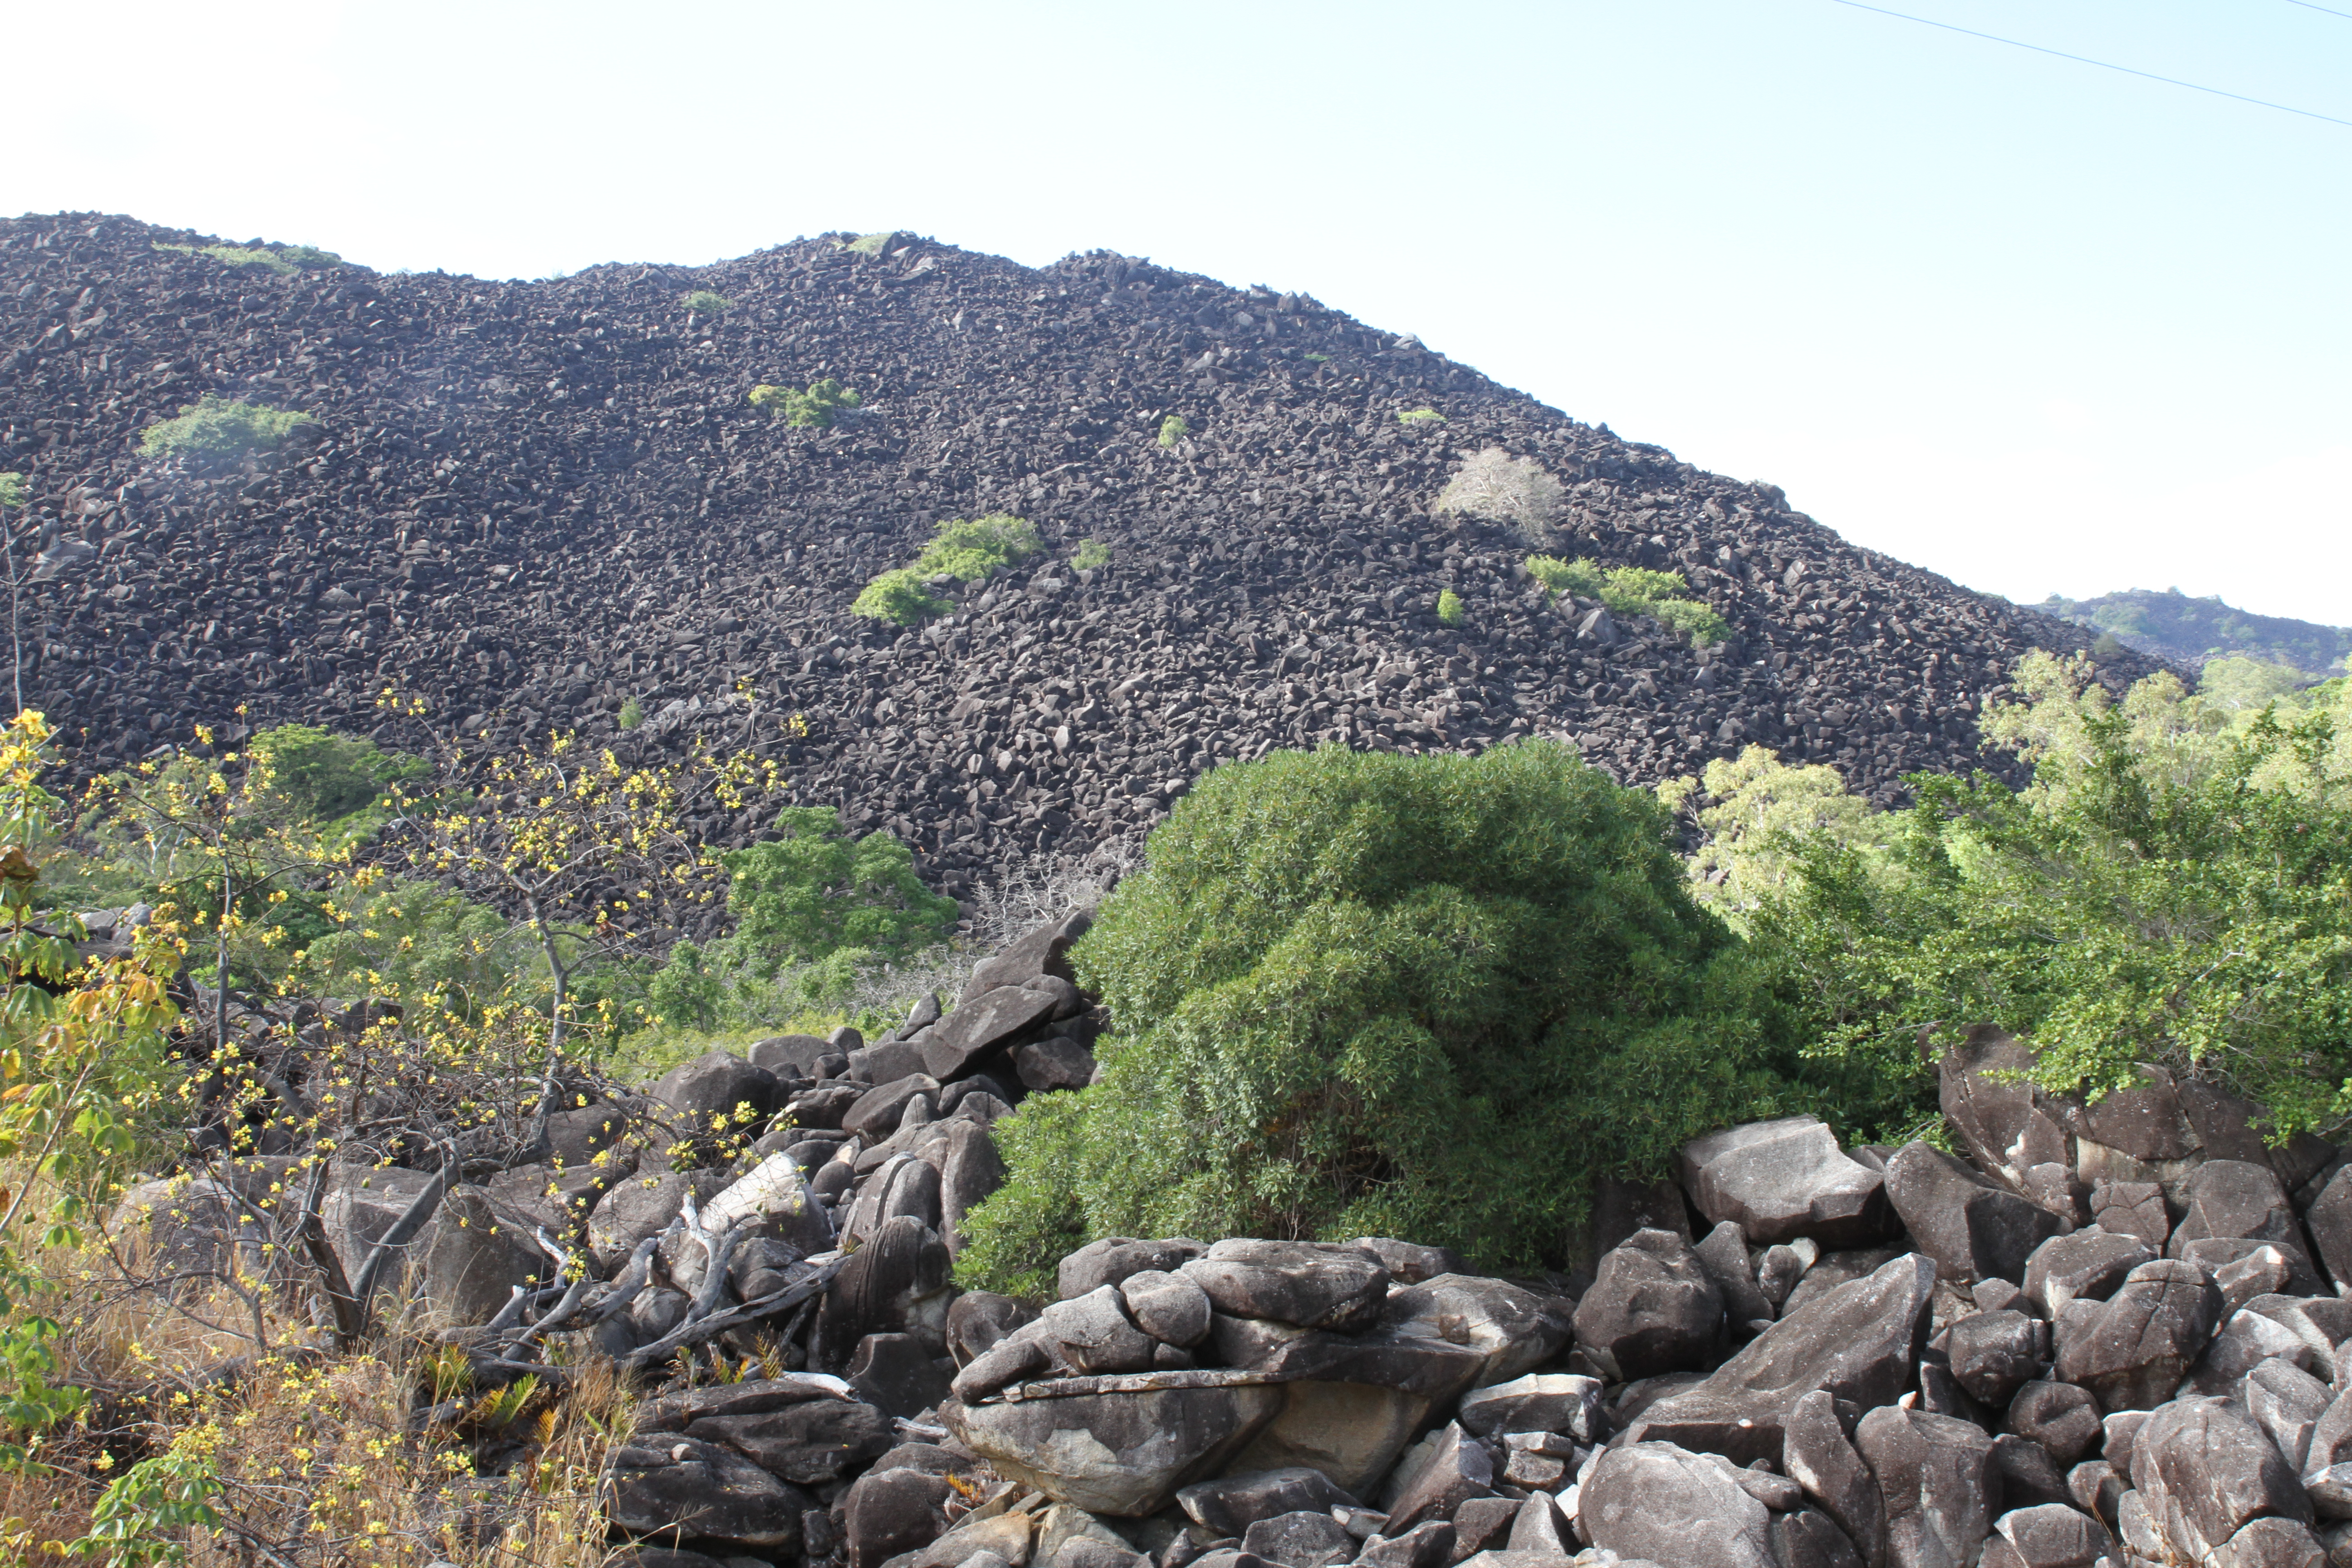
[(532, 501)]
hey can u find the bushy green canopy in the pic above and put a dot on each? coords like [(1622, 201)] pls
[(814, 890), (218, 427), (1419, 996)]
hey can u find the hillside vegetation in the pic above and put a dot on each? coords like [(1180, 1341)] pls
[(2188, 632)]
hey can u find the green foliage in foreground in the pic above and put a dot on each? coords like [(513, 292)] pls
[(323, 778), (283, 259), (1420, 417), (1091, 553), (967, 552), (704, 302), (1174, 428), (215, 427), (815, 407), (1449, 608), (1423, 996), (12, 490), (631, 713), (2175, 887), (871, 244), (1630, 590)]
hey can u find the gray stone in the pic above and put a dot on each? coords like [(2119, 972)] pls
[(1972, 1229), (1540, 1402), (1938, 1483), (1302, 1540), (1409, 1264), (1168, 1307), (2243, 1343), (1231, 1504), (793, 1056), (2132, 1351), (1515, 1329), (2132, 1208), (888, 1512), (2049, 1535), (979, 1027), (898, 1375), (1819, 1455), (1120, 1454), (676, 1485), (979, 1318), (970, 1174), (1779, 1180), (1659, 1501), (1110, 1260), (1452, 1468), (2328, 1462), (640, 1206), (898, 1282), (1994, 1354), (1313, 1285), (2089, 1265), (1860, 1342), (1804, 1539), (718, 1088), (475, 1257), (2060, 1416), (2007, 1124), (2330, 1219), (2253, 1266), (1651, 1309), (1043, 951), (803, 1428), (1429, 1545), (2212, 1471), (876, 1113), (2286, 1402), (1723, 1253), (1054, 1063), (1091, 1335), (2027, 1475), (2236, 1199)]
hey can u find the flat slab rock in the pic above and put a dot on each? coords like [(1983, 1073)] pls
[(1123, 1454), (1781, 1180)]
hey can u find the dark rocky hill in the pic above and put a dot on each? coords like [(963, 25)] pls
[(529, 502), (2173, 626)]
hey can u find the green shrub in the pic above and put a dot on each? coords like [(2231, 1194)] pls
[(1449, 607), (1319, 359), (1091, 553), (703, 302), (215, 428), (323, 777), (967, 551), (1174, 428), (817, 406), (281, 259), (901, 597), (872, 244), (632, 714), (1420, 417), (1422, 997), (1630, 590)]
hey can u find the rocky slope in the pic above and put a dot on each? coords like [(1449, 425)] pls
[(529, 502)]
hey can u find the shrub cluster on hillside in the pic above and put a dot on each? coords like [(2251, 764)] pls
[(214, 426), (1630, 590), (962, 552), (815, 406)]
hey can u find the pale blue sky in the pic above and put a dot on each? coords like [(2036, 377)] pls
[(2034, 324)]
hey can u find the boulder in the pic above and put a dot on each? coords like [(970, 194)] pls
[(2132, 1351), (2060, 1416), (1053, 1062), (1936, 1482), (2007, 1124), (899, 1282), (1409, 1264), (1306, 1538), (1446, 1470), (898, 1375), (807, 1429), (1973, 1229), (979, 1318), (2132, 1208), (719, 1092), (2244, 1342), (1651, 1309), (889, 1510), (2327, 1460), (475, 1257), (643, 1206), (2286, 1402), (1515, 1329), (1044, 949), (1428, 1545), (1171, 1307), (1114, 1258), (2049, 1535), (982, 1025), (1723, 1253), (1819, 1455), (1231, 1504), (875, 1114), (1994, 1354), (2205, 1471), (1313, 1285), (1540, 1402), (1655, 1500), (2236, 1199), (1779, 1180), (557, 1198), (1858, 1342), (970, 1171), (2088, 1264), (1124, 1454), (1091, 1334), (789, 1056), (674, 1486), (773, 1197)]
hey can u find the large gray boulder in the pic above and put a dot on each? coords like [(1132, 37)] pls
[(1231, 1504), (719, 1092), (2239, 1200), (983, 1025), (1936, 1481), (2205, 1471), (1659, 1501), (1973, 1229), (476, 1256), (1513, 1328), (1044, 949), (1114, 1258), (1313, 1285), (671, 1485), (2088, 1264), (1818, 1453), (1858, 1342), (643, 1206), (806, 1429), (1125, 1453), (2047, 1535), (2132, 1351), (1781, 1180), (1652, 1309)]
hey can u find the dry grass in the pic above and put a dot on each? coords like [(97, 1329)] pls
[(325, 1461)]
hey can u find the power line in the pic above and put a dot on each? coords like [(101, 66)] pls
[(2109, 65), (2307, 5)]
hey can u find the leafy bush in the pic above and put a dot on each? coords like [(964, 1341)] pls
[(872, 244), (815, 407), (1174, 428), (1420, 417), (1630, 590), (1319, 359), (324, 777), (281, 259), (1355, 993), (631, 713), (1091, 554), (1494, 485), (967, 552), (2170, 889), (2238, 682), (703, 302), (1760, 815), (1449, 607), (901, 597), (214, 426)]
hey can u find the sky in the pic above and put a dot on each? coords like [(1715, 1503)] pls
[(2035, 324)]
